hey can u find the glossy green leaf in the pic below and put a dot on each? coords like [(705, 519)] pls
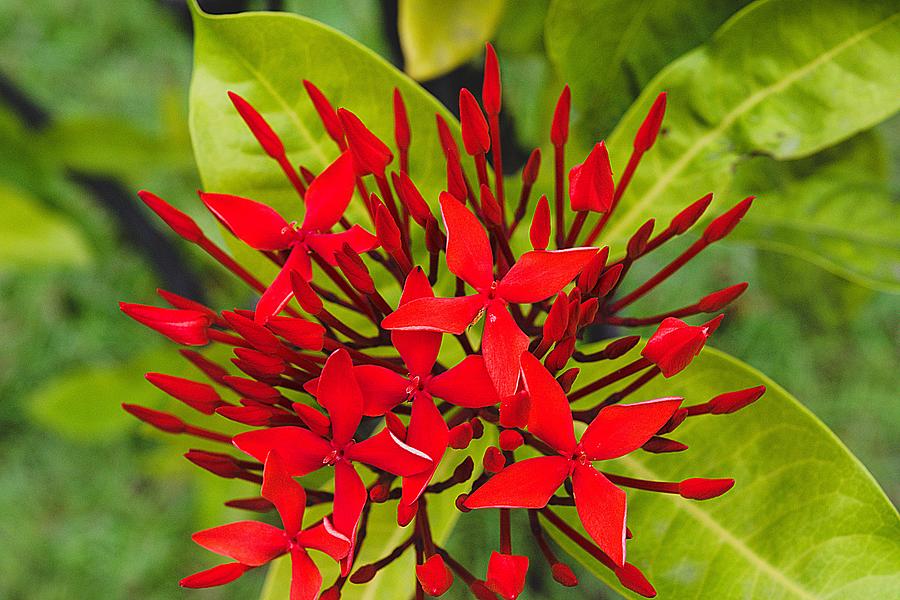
[(437, 36), (804, 520), (834, 210), (32, 235), (783, 77), (360, 19), (609, 49)]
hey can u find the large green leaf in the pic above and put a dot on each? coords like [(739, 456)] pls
[(437, 36), (785, 78), (804, 520), (609, 49), (833, 209)]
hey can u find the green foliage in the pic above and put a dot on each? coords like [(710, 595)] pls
[(804, 520), (437, 36)]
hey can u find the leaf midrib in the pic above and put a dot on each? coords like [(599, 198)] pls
[(750, 102)]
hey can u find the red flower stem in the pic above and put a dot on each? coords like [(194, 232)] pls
[(605, 352), (345, 287), (543, 346), (576, 537), (433, 266), (537, 444), (329, 296), (404, 160), (538, 533), (663, 274), (559, 160), (686, 311), (364, 194), (331, 345), (642, 484), (329, 319), (425, 526), (388, 196), (633, 162), (381, 563), (576, 228), (629, 369), (291, 173), (228, 339), (505, 537), (207, 434), (631, 387), (229, 263), (503, 244), (524, 195), (497, 154), (464, 342), (481, 169), (457, 568), (251, 477)]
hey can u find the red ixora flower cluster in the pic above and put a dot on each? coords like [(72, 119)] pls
[(377, 407)]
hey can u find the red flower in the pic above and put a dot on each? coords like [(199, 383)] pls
[(675, 344), (252, 544)]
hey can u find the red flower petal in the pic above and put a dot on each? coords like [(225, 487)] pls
[(449, 315), (382, 389), (539, 274), (468, 384), (601, 508), (384, 451), (325, 538), (591, 184), (550, 417), (300, 332), (254, 223), (199, 396), (349, 499), (525, 484), (502, 346), (326, 244), (306, 581), (301, 450), (339, 393), (506, 574), (286, 494), (218, 575), (434, 576), (418, 349), (248, 542), (280, 291), (188, 327), (428, 433), (674, 345), (623, 428), (329, 194), (469, 253)]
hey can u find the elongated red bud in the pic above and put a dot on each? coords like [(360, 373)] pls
[(411, 198), (713, 324), (261, 130), (177, 301), (355, 269), (540, 225), (258, 504), (364, 574), (160, 420), (251, 388), (434, 237), (661, 445), (588, 311), (188, 327), (475, 134), (620, 346), (370, 154), (725, 223), (307, 175), (326, 112), (179, 222), (638, 242), (532, 167), (491, 90), (217, 463), (567, 379), (254, 416), (563, 574), (316, 421), (560, 355), (386, 229), (674, 421), (461, 436), (674, 345), (632, 578), (489, 206), (305, 295), (493, 460), (719, 300), (699, 488), (734, 401), (510, 439), (215, 576), (477, 427), (299, 332), (199, 396), (434, 576), (396, 426), (332, 593), (379, 493), (557, 319), (456, 181), (506, 574), (690, 215), (401, 122), (209, 368), (590, 275), (591, 183), (448, 143), (649, 129), (559, 130), (609, 279), (259, 337)]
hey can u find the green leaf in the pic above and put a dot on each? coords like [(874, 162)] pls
[(437, 37), (383, 535), (804, 519), (360, 19), (609, 49), (834, 210), (783, 77), (34, 236)]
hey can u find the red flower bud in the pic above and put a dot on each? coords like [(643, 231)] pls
[(649, 129), (567, 379), (638, 241), (411, 198), (661, 445), (560, 355), (589, 277), (305, 295), (489, 206), (609, 279), (354, 268), (734, 401), (401, 122), (559, 130), (540, 225), (587, 312), (690, 215), (257, 390), (619, 347), (532, 167), (674, 421), (491, 90), (179, 222), (477, 427), (370, 154), (557, 319), (493, 460), (395, 425), (177, 301), (160, 420), (259, 504), (379, 493), (510, 439), (258, 336), (456, 180), (216, 463), (475, 134), (255, 416), (316, 421), (299, 332), (434, 576), (725, 223), (364, 574), (448, 143), (563, 574), (188, 327), (326, 113), (674, 345), (514, 410), (386, 229), (199, 396), (632, 578), (461, 436), (261, 130), (719, 300), (434, 237), (591, 184), (209, 368), (698, 488), (506, 574)]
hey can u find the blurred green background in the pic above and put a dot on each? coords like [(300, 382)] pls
[(93, 106)]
